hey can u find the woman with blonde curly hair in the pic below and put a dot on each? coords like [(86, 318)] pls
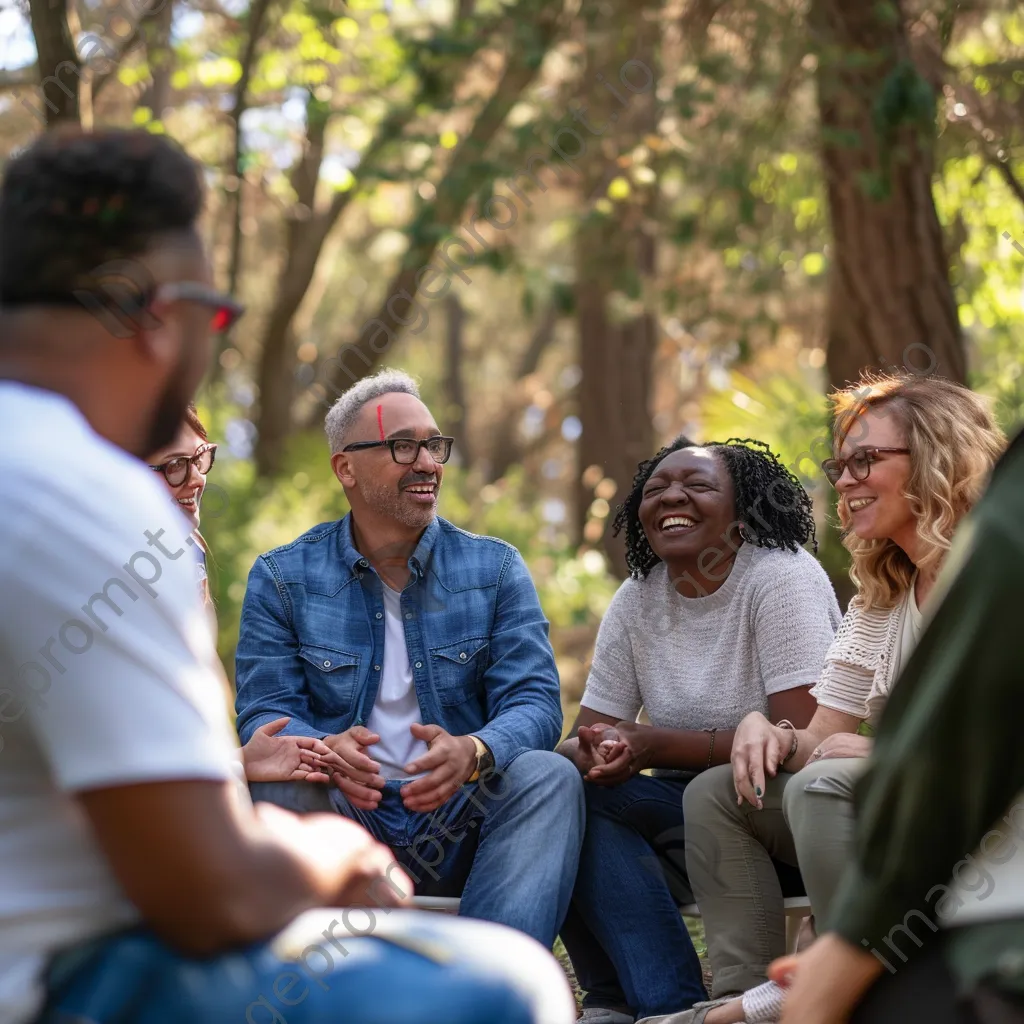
[(911, 457)]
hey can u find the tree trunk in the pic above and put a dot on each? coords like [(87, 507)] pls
[(160, 57), (615, 256), (307, 231), (256, 22), (454, 383), (506, 448), (891, 305), (305, 234), (60, 75), (534, 29)]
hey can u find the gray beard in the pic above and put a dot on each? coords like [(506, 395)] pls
[(391, 504)]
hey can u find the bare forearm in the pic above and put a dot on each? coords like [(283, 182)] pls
[(816, 733), (269, 888), (689, 749), (205, 873)]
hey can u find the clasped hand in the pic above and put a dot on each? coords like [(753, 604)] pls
[(608, 755), (448, 763)]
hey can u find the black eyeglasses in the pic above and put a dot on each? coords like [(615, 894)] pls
[(859, 463), (176, 471), (406, 450), (226, 311), (112, 302)]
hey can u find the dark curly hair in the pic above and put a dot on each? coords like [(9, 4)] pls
[(772, 507), (75, 203)]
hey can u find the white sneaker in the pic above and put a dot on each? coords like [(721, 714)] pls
[(599, 1015)]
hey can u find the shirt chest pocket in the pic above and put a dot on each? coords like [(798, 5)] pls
[(332, 676), (457, 670)]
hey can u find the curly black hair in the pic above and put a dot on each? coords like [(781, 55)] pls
[(772, 507), (75, 205)]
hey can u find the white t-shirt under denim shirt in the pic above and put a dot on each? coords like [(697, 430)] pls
[(94, 692), (706, 662), (397, 707)]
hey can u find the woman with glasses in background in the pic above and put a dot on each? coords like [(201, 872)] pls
[(268, 757), (911, 457), (184, 464)]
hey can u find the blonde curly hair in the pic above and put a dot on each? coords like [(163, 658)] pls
[(954, 442)]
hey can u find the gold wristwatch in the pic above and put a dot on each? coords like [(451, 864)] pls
[(484, 758)]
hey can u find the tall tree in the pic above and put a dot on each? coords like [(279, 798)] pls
[(57, 60), (615, 258), (532, 26), (307, 228), (256, 22), (890, 298)]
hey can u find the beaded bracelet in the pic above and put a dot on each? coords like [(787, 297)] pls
[(711, 748)]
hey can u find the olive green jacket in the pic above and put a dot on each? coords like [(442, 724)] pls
[(949, 758)]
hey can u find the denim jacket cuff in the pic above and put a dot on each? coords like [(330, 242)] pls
[(296, 727), (505, 747)]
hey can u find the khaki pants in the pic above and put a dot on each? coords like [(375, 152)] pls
[(807, 820)]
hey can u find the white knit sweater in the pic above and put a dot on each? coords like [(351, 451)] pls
[(706, 662)]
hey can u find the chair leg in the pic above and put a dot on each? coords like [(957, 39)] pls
[(793, 925)]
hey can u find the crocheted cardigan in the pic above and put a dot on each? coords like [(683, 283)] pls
[(860, 664)]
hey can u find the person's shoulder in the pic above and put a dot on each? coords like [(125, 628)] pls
[(475, 545), (795, 578), (1004, 498), (778, 566), (633, 594), (874, 621), (57, 474), (306, 541)]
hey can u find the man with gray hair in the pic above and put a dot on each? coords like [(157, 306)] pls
[(419, 654)]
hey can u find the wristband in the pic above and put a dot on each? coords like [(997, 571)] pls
[(482, 751), (787, 724)]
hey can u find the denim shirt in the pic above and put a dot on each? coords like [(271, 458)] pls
[(311, 640)]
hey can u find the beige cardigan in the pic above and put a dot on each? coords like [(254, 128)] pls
[(861, 663)]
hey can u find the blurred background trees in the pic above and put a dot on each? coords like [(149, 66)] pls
[(585, 226)]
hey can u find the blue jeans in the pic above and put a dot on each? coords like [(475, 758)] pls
[(508, 845), (624, 934), (414, 969)]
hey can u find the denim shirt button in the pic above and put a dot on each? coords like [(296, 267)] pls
[(363, 563), (376, 668), (419, 664), (327, 664), (462, 656), (408, 615), (379, 615)]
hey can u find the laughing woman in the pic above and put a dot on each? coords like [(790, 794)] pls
[(911, 456), (184, 464), (724, 613)]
